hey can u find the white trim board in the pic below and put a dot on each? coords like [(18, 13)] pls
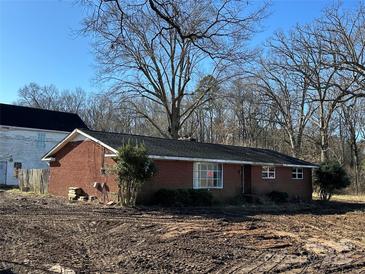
[(192, 159), (31, 129), (224, 161), (71, 137)]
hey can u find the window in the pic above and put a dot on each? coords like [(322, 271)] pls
[(297, 173), (207, 175), (17, 167), (41, 140), (268, 172)]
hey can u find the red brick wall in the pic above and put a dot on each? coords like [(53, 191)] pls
[(283, 182), (170, 174), (232, 183), (79, 164)]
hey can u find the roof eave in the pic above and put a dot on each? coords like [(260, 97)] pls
[(194, 159), (68, 138)]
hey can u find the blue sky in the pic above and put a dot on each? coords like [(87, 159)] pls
[(38, 41)]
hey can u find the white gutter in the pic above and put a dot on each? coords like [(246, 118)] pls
[(289, 165), (172, 158)]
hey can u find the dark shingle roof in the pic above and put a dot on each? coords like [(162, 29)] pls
[(191, 149), (19, 116)]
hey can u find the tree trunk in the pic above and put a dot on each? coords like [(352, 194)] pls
[(357, 165), (297, 150), (324, 144), (174, 132), (324, 195), (174, 123)]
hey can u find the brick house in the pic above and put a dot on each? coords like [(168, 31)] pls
[(83, 156)]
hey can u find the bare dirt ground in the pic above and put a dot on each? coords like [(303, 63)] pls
[(46, 235)]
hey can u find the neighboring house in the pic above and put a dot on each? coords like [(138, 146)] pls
[(26, 134), (83, 157)]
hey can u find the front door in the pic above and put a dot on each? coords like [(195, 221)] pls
[(243, 179), (247, 179), (3, 165)]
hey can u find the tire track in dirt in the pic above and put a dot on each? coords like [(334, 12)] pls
[(40, 232)]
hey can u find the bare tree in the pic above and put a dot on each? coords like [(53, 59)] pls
[(248, 119), (50, 97), (287, 91), (99, 112), (352, 114), (208, 118), (343, 35), (102, 113), (37, 96), (303, 49), (225, 18), (73, 100), (159, 57)]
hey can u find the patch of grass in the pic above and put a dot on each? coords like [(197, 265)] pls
[(348, 197), (17, 191), (344, 197)]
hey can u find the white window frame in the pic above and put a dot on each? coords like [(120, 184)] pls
[(41, 140), (295, 172), (196, 175), (270, 174)]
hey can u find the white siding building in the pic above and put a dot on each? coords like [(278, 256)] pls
[(26, 134)]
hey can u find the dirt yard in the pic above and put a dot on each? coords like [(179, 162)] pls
[(47, 235)]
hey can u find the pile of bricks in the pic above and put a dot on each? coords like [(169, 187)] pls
[(74, 193)]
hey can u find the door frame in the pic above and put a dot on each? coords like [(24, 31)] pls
[(242, 179), (6, 171)]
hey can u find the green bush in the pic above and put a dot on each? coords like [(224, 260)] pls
[(182, 197), (242, 199), (133, 169), (329, 177), (200, 197), (164, 197), (278, 197)]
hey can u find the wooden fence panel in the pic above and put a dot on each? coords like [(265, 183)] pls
[(34, 180)]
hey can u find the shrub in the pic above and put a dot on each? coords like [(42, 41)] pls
[(241, 199), (329, 177), (278, 197), (182, 197), (200, 197), (133, 168), (164, 197)]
